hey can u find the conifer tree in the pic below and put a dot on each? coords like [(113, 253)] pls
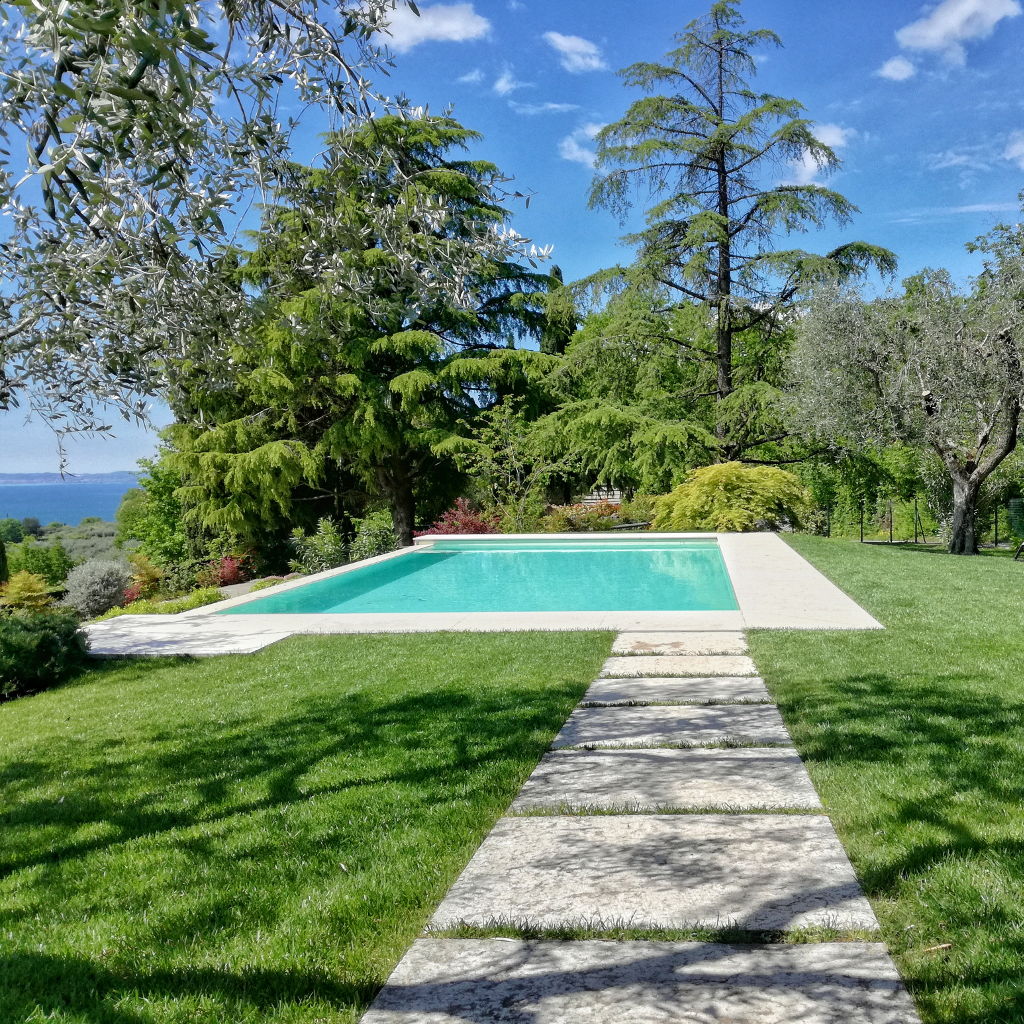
[(713, 150)]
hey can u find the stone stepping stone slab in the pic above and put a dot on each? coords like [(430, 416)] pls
[(678, 665), (678, 690), (156, 640), (653, 780), (496, 981), (689, 726), (748, 871), (664, 642)]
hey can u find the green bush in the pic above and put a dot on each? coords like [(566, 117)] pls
[(197, 599), (733, 497), (325, 549), (265, 584), (38, 650), (51, 561), (603, 515), (375, 535)]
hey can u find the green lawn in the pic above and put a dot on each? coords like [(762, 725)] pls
[(915, 740), (258, 838)]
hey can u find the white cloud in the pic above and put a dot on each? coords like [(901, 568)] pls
[(576, 53), (946, 27), (806, 169), (897, 69), (474, 77), (937, 212), (516, 6), (507, 82), (574, 146), (965, 158), (531, 109), (450, 23), (1015, 149)]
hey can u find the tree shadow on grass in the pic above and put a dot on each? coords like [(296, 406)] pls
[(282, 797)]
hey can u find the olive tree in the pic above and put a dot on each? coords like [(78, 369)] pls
[(938, 367), (134, 137)]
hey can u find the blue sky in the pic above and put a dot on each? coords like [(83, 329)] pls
[(923, 103)]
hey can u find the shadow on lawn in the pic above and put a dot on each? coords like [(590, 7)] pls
[(954, 807), (65, 984), (282, 795)]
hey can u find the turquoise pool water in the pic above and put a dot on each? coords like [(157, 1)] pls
[(516, 576)]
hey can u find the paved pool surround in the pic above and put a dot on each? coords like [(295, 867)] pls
[(775, 588)]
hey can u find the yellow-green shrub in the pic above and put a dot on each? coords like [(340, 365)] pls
[(733, 497), (27, 590)]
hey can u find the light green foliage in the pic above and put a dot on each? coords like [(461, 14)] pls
[(260, 838), (96, 586), (51, 561), (509, 464), (604, 515), (145, 574), (154, 516), (265, 584), (375, 535), (152, 125), (324, 549), (26, 590), (196, 599), (938, 367), (91, 538), (733, 497)]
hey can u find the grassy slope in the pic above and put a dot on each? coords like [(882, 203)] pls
[(915, 739), (258, 838)]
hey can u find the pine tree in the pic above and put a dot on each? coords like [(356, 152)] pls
[(709, 146)]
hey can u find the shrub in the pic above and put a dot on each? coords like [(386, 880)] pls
[(733, 497), (96, 586), (582, 518), (26, 590), (5, 569), (264, 584), (197, 599), (375, 535), (51, 561), (146, 576), (462, 518), (325, 549), (225, 571), (37, 650)]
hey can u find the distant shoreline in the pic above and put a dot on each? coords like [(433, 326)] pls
[(38, 479)]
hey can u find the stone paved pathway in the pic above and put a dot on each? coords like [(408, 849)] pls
[(676, 722)]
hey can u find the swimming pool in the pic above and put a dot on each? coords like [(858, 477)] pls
[(509, 575)]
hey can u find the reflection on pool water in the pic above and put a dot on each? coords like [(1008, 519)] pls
[(521, 576)]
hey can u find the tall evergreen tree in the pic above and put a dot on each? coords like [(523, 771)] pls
[(710, 147), (363, 386)]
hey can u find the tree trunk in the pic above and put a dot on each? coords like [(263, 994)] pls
[(396, 483), (963, 538)]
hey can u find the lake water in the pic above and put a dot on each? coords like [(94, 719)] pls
[(61, 502)]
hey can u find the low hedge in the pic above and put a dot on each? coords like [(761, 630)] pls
[(39, 650)]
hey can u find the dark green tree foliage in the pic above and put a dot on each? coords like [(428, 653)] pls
[(353, 393), (709, 147)]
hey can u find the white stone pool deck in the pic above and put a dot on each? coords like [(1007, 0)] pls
[(775, 588)]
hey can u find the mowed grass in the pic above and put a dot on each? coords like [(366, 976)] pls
[(915, 739), (258, 838)]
